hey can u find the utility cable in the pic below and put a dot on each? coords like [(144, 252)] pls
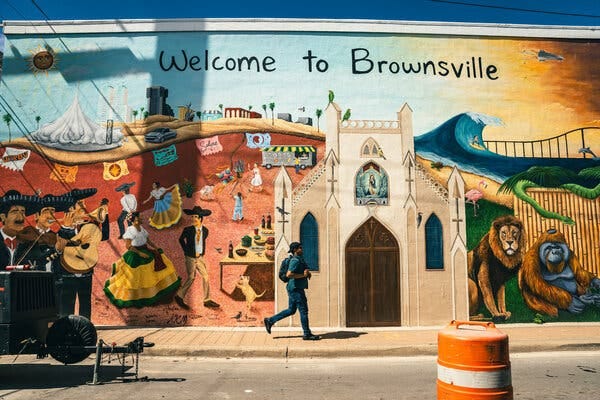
[(516, 9)]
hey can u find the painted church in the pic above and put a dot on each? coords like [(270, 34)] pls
[(385, 241)]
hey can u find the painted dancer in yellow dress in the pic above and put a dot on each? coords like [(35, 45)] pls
[(167, 205), (141, 277)]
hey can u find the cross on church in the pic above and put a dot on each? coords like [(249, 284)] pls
[(410, 179), (458, 220), (282, 210), (332, 180)]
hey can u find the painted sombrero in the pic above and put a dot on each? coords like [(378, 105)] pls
[(32, 204)]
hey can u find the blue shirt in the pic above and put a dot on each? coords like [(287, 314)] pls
[(297, 266)]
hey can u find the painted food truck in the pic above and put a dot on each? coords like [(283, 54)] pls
[(273, 156)]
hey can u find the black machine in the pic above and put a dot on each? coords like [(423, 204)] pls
[(29, 324)]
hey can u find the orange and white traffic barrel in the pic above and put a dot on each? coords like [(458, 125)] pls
[(473, 362)]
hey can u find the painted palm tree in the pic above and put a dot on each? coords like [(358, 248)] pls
[(584, 184), (146, 113), (142, 115), (199, 115), (221, 109), (37, 120), (134, 113), (249, 108), (7, 118), (318, 113), (272, 108), (264, 107), (331, 96)]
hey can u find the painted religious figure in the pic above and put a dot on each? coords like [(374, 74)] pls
[(371, 185)]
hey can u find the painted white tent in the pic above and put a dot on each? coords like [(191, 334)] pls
[(75, 131)]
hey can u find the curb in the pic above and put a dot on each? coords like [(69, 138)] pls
[(285, 352)]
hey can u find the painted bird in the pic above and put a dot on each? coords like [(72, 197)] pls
[(380, 153), (419, 218), (282, 211), (346, 116), (331, 96), (238, 315)]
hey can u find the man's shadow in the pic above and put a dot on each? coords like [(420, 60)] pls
[(329, 335)]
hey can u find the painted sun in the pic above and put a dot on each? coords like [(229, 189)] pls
[(42, 60)]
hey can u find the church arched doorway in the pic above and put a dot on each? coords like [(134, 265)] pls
[(372, 277)]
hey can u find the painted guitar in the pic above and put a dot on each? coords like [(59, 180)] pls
[(81, 255)]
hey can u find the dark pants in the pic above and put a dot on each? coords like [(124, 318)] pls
[(70, 287), (121, 222), (297, 301)]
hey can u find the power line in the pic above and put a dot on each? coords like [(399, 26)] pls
[(516, 9)]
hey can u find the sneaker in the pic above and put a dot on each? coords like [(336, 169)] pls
[(311, 337), (268, 325)]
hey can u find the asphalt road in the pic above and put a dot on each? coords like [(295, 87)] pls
[(558, 375)]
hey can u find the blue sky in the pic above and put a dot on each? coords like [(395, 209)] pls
[(548, 12)]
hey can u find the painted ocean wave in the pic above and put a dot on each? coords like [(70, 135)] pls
[(459, 142)]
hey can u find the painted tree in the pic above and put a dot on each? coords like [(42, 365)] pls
[(146, 114), (318, 113), (8, 119), (249, 108), (272, 108), (585, 184), (221, 108), (37, 120), (134, 113), (264, 107), (142, 112), (199, 115)]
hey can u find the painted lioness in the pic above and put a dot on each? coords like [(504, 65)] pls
[(495, 260)]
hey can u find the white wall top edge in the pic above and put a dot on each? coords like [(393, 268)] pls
[(299, 25)]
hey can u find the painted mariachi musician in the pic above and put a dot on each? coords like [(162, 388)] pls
[(14, 208), (74, 271)]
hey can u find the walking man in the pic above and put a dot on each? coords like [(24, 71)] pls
[(298, 274), (129, 205), (193, 244)]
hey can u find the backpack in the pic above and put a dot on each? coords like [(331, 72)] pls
[(283, 269)]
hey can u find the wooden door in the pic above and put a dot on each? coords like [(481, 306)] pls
[(372, 277)]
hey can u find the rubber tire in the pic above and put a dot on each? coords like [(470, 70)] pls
[(73, 330)]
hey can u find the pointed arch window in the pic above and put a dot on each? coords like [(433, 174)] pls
[(370, 149), (309, 237), (434, 243)]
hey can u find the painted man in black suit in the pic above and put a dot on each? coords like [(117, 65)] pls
[(193, 244), (14, 207), (69, 285)]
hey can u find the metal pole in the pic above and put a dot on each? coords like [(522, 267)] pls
[(98, 361)]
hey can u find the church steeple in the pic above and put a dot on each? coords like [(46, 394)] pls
[(333, 115)]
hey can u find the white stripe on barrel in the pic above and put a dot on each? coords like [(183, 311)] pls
[(494, 379)]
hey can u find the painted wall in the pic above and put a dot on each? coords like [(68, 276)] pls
[(497, 125)]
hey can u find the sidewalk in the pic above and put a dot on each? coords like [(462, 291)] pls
[(340, 342)]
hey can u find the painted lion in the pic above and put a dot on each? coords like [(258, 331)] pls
[(495, 260), (553, 278)]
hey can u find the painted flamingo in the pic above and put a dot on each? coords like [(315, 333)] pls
[(474, 195)]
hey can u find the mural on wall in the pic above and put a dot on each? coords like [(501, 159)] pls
[(161, 176), (371, 185)]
